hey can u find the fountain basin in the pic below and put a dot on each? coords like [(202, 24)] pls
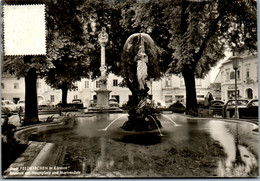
[(97, 147)]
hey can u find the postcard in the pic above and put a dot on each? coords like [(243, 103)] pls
[(129, 89)]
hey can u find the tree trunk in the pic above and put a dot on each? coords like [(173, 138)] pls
[(64, 96), (191, 96), (31, 104)]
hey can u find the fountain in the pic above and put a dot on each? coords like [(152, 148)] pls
[(95, 146), (138, 52)]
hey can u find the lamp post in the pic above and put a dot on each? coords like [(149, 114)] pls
[(235, 62), (151, 81)]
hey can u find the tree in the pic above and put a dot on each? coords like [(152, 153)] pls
[(193, 35), (29, 67), (95, 15), (68, 67), (75, 50), (200, 33), (65, 48)]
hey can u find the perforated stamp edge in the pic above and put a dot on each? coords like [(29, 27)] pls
[(43, 51)]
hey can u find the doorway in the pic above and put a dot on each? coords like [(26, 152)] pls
[(249, 93), (16, 99)]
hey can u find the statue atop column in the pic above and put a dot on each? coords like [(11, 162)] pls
[(103, 37)]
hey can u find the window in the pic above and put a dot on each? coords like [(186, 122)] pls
[(168, 82), (227, 76), (247, 73), (231, 94), (200, 96), (179, 97), (168, 99), (16, 85), (238, 74), (52, 98), (97, 84), (115, 82), (86, 84), (232, 75), (2, 85), (95, 98)]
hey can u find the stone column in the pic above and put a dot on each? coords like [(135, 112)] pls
[(103, 39), (103, 93)]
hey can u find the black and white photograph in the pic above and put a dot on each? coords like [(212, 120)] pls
[(129, 89)]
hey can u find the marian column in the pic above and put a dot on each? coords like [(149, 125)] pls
[(103, 39), (103, 93)]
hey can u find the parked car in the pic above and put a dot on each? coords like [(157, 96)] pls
[(159, 104), (77, 103), (7, 105), (177, 107), (228, 109), (250, 111), (113, 103), (21, 105), (216, 106), (44, 104)]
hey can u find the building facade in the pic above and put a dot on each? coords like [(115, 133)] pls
[(168, 90), (247, 78), (173, 89)]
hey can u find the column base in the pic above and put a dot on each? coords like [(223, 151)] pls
[(103, 99)]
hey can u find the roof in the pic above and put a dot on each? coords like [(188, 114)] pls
[(229, 60), (243, 57)]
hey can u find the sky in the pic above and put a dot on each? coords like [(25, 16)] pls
[(214, 71)]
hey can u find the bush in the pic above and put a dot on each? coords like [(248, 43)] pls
[(11, 149)]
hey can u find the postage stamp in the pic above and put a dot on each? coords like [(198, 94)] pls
[(24, 29)]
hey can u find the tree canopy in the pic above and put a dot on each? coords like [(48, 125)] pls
[(202, 31)]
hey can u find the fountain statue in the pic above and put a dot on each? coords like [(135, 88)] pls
[(142, 60), (141, 113)]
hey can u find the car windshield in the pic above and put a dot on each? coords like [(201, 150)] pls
[(254, 103), (9, 103), (239, 102)]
